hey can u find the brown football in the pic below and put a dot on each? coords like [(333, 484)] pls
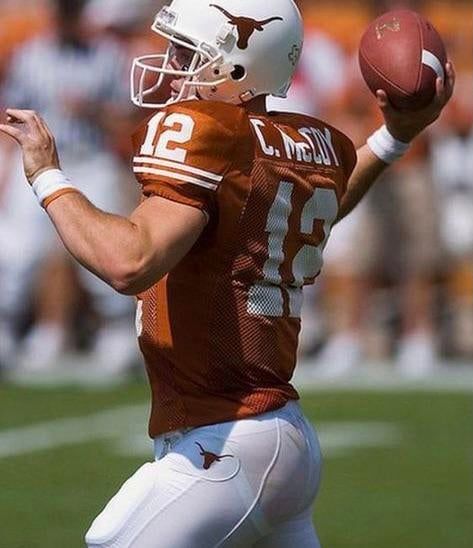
[(402, 53)]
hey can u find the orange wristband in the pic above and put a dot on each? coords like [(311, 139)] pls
[(50, 199)]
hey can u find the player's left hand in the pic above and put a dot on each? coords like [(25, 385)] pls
[(406, 125), (37, 142)]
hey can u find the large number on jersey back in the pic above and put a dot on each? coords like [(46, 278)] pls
[(182, 134), (266, 298)]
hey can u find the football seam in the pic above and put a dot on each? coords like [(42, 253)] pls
[(382, 75), (421, 65)]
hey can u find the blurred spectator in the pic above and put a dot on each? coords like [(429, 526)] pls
[(18, 25), (390, 242), (78, 82), (451, 163)]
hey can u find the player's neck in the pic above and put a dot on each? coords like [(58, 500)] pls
[(256, 105)]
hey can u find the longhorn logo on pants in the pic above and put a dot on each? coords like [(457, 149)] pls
[(210, 458), (246, 26)]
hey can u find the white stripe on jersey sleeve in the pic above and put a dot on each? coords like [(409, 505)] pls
[(178, 166), (177, 176)]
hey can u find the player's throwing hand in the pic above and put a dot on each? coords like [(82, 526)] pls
[(37, 142), (405, 125)]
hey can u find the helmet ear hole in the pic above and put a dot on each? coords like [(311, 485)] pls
[(238, 73)]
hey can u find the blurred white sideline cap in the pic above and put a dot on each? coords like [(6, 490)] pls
[(121, 13)]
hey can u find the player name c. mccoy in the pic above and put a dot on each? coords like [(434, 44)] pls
[(308, 145)]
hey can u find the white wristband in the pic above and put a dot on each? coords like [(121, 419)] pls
[(386, 147), (50, 182)]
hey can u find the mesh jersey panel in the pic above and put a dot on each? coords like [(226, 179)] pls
[(220, 332)]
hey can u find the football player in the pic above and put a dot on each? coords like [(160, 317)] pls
[(237, 208)]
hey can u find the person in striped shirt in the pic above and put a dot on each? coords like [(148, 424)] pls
[(78, 82)]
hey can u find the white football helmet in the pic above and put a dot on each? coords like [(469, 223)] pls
[(242, 49)]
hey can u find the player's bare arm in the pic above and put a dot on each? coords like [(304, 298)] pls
[(129, 254), (404, 126)]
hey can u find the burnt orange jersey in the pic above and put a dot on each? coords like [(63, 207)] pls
[(219, 333)]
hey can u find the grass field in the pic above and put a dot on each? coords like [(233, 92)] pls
[(398, 465)]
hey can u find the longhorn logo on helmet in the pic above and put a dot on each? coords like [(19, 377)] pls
[(246, 26)]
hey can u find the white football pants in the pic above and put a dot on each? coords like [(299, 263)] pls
[(245, 483)]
